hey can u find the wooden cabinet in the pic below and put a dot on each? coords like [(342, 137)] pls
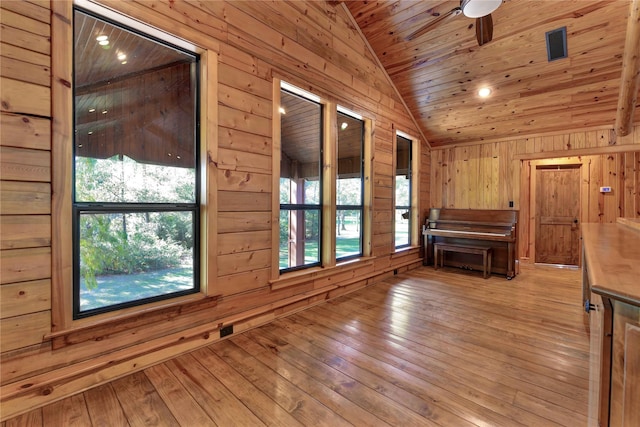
[(611, 289), (600, 325), (614, 368), (625, 358)]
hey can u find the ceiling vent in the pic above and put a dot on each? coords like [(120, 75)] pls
[(556, 44)]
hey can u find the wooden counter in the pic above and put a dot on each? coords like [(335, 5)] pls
[(611, 293), (612, 253)]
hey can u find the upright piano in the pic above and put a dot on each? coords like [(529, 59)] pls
[(492, 228)]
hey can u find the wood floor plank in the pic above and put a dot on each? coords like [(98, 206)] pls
[(422, 348), (405, 358), (486, 345), (218, 402), (368, 373), (519, 346), (550, 410), (480, 374), (368, 398), (560, 317), (267, 353), (70, 412), (302, 406), (177, 398), (405, 388), (260, 404), (30, 419), (471, 386), (141, 403), (104, 407), (494, 311)]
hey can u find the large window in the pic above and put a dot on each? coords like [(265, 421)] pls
[(301, 121), (349, 185), (402, 192), (136, 185)]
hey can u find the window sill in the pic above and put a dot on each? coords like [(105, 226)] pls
[(296, 277), (85, 329), (405, 251)]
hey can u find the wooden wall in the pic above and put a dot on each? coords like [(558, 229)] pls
[(312, 44), (489, 175)]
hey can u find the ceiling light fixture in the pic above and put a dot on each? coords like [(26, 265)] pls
[(479, 8), (102, 38), (103, 42), (484, 92), (344, 125), (122, 56), (281, 110)]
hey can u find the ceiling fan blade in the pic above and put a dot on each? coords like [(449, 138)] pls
[(484, 29), (424, 29)]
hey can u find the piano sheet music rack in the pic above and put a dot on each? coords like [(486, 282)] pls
[(492, 228)]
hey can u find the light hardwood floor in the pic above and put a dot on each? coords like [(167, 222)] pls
[(422, 348)]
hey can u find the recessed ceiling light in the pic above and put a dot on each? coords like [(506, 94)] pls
[(102, 38), (123, 62), (122, 56), (92, 110), (344, 125), (104, 111), (282, 110), (484, 92), (103, 42)]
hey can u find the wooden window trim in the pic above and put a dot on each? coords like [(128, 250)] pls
[(415, 191), (301, 276), (365, 181), (62, 322), (328, 257)]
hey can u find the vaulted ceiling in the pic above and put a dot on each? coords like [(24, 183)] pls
[(439, 73)]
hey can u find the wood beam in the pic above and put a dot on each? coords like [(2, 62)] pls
[(630, 79)]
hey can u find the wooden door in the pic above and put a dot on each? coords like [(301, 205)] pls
[(557, 215)]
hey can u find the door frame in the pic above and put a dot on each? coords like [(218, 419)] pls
[(528, 199)]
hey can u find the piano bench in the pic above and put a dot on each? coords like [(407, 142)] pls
[(466, 249)]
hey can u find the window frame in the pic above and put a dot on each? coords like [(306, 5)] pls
[(294, 91), (359, 207), (412, 208), (280, 278), (62, 321), (100, 207)]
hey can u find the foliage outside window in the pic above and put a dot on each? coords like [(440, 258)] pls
[(402, 193), (300, 182), (135, 177), (349, 186)]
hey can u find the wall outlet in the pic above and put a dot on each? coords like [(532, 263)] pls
[(605, 189), (227, 330)]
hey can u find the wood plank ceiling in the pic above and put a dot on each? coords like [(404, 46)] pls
[(439, 73)]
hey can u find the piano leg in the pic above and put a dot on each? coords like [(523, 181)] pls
[(510, 262)]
